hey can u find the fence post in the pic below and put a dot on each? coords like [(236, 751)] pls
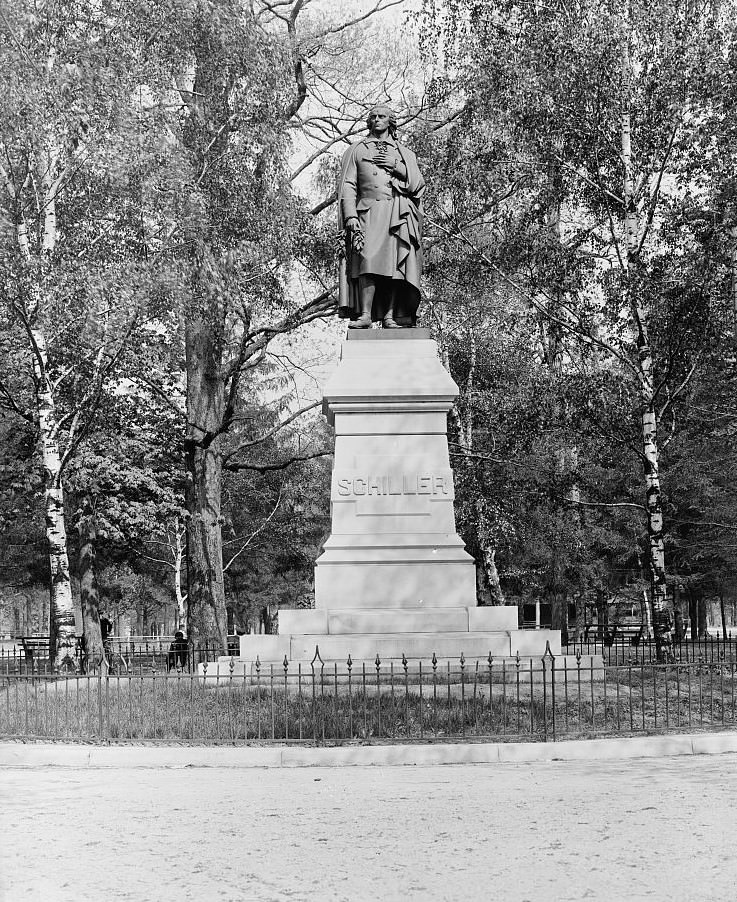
[(349, 665), (100, 713), (548, 651), (285, 665), (377, 665), (545, 694), (463, 695), (316, 657)]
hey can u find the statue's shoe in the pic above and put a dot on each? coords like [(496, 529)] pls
[(390, 323), (363, 322)]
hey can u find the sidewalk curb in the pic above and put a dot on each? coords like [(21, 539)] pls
[(17, 755)]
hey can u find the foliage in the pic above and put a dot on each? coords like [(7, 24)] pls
[(186, 143), (576, 187)]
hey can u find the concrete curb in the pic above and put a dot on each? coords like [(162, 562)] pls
[(79, 756)]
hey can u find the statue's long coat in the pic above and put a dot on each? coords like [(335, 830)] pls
[(392, 229)]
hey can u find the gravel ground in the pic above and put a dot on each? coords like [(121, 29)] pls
[(608, 830)]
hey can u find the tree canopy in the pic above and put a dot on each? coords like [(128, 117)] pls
[(167, 259)]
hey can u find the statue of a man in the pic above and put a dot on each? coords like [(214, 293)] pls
[(380, 213)]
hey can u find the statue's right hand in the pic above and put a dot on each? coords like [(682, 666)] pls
[(355, 233)]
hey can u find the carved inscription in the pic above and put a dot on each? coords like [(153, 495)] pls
[(416, 484)]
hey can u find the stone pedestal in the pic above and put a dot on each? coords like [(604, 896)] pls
[(394, 578), (393, 542)]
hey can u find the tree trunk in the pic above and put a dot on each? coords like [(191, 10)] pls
[(693, 614), (206, 133), (723, 616), (89, 594), (701, 614), (559, 615), (61, 609), (580, 617), (556, 582), (483, 594), (492, 576), (488, 584), (207, 618), (662, 621), (602, 615), (677, 614), (179, 548), (62, 605)]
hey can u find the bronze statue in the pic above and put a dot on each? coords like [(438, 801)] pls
[(380, 214)]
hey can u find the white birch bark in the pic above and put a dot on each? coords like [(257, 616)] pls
[(470, 381), (178, 549), (62, 625), (649, 424), (464, 426), (492, 575), (62, 604)]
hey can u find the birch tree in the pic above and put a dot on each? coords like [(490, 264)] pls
[(615, 99), (59, 110)]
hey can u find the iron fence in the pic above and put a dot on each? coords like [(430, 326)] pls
[(136, 655), (622, 649), (519, 699), (124, 656)]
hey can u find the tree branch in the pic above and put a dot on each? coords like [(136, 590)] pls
[(343, 136), (321, 306), (639, 507), (324, 204), (160, 393), (7, 401), (268, 468), (576, 331), (730, 526), (254, 533), (379, 7), (297, 63), (268, 435), (467, 454), (656, 193)]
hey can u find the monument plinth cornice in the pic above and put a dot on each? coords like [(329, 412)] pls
[(334, 406)]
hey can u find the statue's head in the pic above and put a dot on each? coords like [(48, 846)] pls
[(382, 110)]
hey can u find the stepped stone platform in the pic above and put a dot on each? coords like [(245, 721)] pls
[(393, 634), (394, 578)]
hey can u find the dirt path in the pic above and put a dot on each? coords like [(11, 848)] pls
[(644, 829)]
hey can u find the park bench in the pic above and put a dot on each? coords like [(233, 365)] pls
[(35, 648)]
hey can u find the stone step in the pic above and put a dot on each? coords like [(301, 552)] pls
[(432, 620), (394, 645), (503, 670), (365, 646), (419, 619)]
